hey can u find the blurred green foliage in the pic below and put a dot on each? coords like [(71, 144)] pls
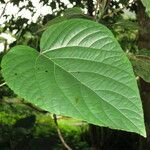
[(44, 129)]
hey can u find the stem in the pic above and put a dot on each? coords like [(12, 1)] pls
[(5, 46), (96, 8), (2, 84), (59, 134), (102, 8)]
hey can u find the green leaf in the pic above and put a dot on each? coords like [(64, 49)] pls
[(141, 66), (146, 3), (73, 11), (127, 24), (80, 72), (68, 14), (145, 52)]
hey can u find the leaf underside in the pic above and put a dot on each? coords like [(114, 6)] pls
[(80, 72)]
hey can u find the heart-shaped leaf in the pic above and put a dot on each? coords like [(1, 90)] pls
[(80, 72)]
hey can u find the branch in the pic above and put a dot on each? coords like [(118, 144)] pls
[(118, 10), (5, 46), (4, 9), (26, 104), (2, 84), (60, 135)]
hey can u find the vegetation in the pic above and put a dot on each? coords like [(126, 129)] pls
[(74, 66), (18, 128)]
